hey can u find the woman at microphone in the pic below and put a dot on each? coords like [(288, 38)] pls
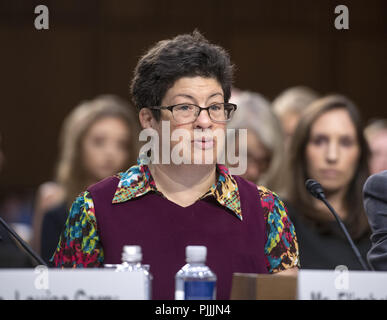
[(328, 146), (181, 85)]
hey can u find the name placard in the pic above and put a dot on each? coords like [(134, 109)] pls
[(75, 284), (341, 284)]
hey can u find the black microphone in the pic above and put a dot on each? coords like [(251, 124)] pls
[(25, 246), (317, 191)]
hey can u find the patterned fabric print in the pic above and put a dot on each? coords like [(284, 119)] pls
[(225, 191), (135, 182), (281, 247), (79, 244), (138, 180)]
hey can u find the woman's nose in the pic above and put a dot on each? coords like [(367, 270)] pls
[(203, 120), (110, 150), (332, 152)]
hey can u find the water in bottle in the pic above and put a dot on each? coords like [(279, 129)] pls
[(195, 280), (131, 262)]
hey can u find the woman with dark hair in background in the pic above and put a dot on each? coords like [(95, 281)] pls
[(328, 146), (98, 139)]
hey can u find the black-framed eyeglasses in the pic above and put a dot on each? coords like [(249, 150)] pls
[(184, 113)]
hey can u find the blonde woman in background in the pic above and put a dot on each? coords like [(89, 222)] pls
[(265, 146), (288, 107), (98, 139)]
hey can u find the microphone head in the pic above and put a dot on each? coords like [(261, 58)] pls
[(315, 189)]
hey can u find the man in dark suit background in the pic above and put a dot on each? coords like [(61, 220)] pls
[(375, 204)]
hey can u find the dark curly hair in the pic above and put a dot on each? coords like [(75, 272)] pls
[(186, 55)]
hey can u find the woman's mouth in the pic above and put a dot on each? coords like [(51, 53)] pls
[(204, 143), (330, 173)]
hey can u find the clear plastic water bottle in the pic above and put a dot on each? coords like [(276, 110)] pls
[(195, 281), (132, 261)]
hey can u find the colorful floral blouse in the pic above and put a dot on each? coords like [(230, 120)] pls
[(80, 245)]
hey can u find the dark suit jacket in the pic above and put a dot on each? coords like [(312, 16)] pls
[(52, 227), (375, 204), (325, 247)]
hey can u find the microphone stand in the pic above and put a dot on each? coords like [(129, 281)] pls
[(317, 191), (25, 246)]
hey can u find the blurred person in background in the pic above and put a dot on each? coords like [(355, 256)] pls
[(16, 207), (98, 139), (328, 146), (376, 135), (11, 255), (265, 146), (289, 105)]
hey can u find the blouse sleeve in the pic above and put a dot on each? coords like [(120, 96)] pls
[(281, 247), (79, 244)]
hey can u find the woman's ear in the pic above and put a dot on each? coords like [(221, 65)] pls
[(146, 118)]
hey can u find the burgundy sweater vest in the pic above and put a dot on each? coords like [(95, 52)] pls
[(163, 229)]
